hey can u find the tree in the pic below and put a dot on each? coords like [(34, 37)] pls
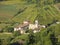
[(3, 0), (31, 38), (50, 1), (0, 41), (16, 33), (15, 43), (8, 29), (54, 40)]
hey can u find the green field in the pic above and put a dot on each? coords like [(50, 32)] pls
[(14, 12), (9, 10)]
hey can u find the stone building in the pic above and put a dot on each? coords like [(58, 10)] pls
[(35, 27)]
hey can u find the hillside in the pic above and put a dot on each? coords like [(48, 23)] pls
[(14, 12), (9, 11)]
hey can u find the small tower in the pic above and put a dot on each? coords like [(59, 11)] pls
[(36, 23)]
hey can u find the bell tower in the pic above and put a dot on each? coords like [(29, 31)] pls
[(36, 23)]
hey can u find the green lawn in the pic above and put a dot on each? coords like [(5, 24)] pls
[(5, 35)]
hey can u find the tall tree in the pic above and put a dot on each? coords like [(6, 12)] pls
[(31, 38), (50, 1)]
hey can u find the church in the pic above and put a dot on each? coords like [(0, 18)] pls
[(35, 27)]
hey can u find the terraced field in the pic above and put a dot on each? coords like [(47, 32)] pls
[(7, 11), (16, 12), (50, 14), (29, 14)]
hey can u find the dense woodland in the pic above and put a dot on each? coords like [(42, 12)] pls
[(14, 12)]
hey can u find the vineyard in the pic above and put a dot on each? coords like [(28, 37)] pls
[(14, 12)]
